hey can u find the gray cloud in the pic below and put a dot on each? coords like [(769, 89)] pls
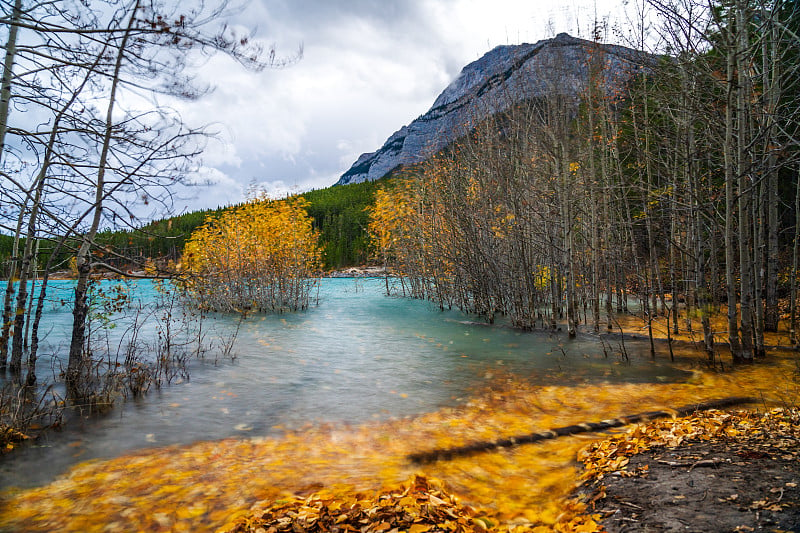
[(369, 67)]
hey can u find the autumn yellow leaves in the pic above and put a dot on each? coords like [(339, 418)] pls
[(609, 455), (421, 505), (260, 256), (211, 485)]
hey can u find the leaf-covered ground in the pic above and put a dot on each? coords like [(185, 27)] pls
[(419, 505), (210, 486), (713, 471)]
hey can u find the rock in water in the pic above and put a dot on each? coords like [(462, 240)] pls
[(504, 76)]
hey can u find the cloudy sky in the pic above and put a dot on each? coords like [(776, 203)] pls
[(368, 68)]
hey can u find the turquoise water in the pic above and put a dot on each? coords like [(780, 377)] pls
[(356, 356)]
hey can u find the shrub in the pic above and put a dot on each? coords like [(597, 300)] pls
[(260, 256)]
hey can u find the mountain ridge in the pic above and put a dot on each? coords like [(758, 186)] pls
[(503, 76)]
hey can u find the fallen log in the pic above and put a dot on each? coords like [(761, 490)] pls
[(444, 454)]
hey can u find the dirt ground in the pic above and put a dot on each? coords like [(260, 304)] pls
[(715, 486)]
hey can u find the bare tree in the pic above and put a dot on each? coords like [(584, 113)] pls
[(92, 167)]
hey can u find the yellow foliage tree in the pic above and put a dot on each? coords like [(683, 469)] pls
[(261, 256), (392, 221), (398, 220), (410, 233)]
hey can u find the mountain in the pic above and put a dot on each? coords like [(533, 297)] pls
[(502, 77)]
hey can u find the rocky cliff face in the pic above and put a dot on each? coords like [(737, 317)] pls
[(502, 77)]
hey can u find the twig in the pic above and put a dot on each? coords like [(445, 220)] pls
[(702, 462), (629, 504), (706, 462), (673, 463)]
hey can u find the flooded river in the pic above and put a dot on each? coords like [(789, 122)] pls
[(355, 356)]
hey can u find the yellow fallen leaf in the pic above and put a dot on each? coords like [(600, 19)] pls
[(189, 513)]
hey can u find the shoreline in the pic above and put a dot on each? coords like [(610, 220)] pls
[(349, 272), (627, 325)]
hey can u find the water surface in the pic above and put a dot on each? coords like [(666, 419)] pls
[(356, 356)]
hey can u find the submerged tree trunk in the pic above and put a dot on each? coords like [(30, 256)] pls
[(81, 309), (444, 454), (28, 263), (8, 296), (5, 101)]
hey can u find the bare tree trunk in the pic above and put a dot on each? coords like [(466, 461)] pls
[(745, 191), (772, 90), (8, 72), (81, 309), (793, 334), (8, 297), (730, 207), (29, 255), (568, 263), (595, 240), (27, 262), (5, 101), (30, 379)]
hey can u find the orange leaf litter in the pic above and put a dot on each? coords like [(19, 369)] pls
[(207, 486)]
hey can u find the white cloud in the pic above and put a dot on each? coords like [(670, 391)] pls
[(208, 188), (368, 68)]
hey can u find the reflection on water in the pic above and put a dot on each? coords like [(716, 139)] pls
[(356, 356)]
